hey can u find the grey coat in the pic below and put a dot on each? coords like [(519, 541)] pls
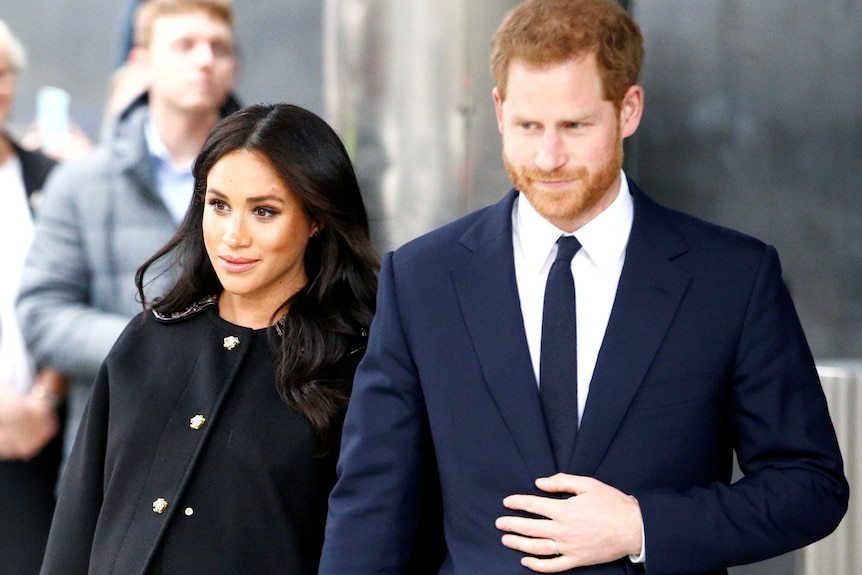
[(99, 219)]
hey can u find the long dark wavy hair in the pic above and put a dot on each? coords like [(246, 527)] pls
[(323, 335)]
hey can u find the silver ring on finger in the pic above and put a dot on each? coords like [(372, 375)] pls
[(556, 547)]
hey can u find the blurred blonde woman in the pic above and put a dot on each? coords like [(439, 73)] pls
[(29, 446)]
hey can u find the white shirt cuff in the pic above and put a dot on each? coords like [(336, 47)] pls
[(642, 557)]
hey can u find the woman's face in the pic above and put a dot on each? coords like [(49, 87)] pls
[(255, 232), (7, 87)]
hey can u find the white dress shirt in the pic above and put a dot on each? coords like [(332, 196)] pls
[(596, 268)]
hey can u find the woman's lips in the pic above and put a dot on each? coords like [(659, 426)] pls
[(237, 265)]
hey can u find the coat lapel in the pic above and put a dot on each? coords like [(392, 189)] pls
[(650, 290), (34, 168), (488, 294)]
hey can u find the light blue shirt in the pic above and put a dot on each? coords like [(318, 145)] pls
[(175, 186)]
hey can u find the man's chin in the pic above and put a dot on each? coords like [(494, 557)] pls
[(550, 195), (203, 105), (556, 189), (553, 204)]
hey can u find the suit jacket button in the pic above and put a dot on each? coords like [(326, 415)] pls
[(160, 505), (189, 511), (197, 421), (230, 342)]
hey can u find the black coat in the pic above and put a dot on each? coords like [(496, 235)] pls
[(187, 460), (35, 167)]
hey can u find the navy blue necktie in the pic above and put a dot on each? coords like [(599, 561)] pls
[(558, 365)]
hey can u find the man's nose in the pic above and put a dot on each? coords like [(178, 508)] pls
[(551, 154)]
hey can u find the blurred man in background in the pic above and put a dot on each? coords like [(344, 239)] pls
[(102, 216)]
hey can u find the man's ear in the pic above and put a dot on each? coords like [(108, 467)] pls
[(631, 110), (138, 60), (498, 107)]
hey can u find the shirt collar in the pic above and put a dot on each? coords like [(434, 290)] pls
[(603, 239), (159, 150)]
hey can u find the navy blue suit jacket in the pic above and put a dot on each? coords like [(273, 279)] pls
[(703, 354)]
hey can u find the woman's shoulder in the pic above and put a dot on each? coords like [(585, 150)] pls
[(155, 328)]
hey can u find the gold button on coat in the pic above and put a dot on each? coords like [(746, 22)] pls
[(160, 505), (197, 421)]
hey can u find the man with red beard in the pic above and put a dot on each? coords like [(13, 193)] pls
[(572, 369)]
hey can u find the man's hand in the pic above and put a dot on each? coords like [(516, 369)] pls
[(598, 524)]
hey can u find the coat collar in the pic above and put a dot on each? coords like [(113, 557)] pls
[(35, 167), (129, 146), (190, 311), (129, 153)]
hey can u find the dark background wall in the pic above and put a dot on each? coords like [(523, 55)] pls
[(754, 120)]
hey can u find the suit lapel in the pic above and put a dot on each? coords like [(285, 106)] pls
[(650, 290), (488, 294)]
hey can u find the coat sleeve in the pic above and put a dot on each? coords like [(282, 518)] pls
[(793, 491), (376, 505), (62, 327), (81, 490)]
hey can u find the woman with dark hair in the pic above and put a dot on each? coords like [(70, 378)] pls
[(210, 440)]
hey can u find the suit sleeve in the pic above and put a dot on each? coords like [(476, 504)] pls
[(376, 503), (81, 491), (793, 491)]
